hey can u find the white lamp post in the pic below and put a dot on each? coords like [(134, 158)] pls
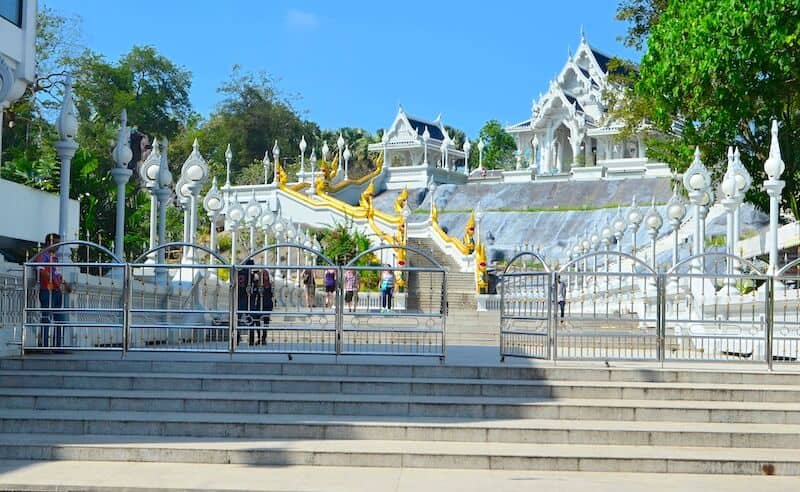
[(432, 191), (313, 188), (279, 228), (148, 172), (443, 151), (340, 145), (634, 219), (253, 212), (213, 205), (426, 136), (235, 214), (326, 151), (480, 154), (346, 156), (195, 172), (228, 159), (163, 193), (67, 126), (743, 182), (267, 164), (676, 211), (267, 219), (276, 155), (122, 155), (303, 147), (467, 147), (730, 190), (653, 221), (774, 168), (697, 181)]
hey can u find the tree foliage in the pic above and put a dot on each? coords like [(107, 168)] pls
[(724, 69), (499, 149)]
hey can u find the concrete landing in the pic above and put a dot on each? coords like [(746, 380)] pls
[(112, 476)]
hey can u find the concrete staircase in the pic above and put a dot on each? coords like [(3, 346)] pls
[(460, 285), (400, 415)]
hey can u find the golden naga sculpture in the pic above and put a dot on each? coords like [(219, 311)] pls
[(321, 185), (481, 277), (469, 233), (366, 196), (400, 201), (333, 168), (282, 176), (434, 214)]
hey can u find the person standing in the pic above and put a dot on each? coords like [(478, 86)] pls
[(51, 293), (245, 298), (310, 284), (330, 286), (562, 297), (387, 288), (265, 305), (351, 284)]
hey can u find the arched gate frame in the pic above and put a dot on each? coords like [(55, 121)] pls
[(405, 320), (284, 302), (74, 305), (526, 305)]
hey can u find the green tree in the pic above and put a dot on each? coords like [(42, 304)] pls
[(499, 150), (723, 69)]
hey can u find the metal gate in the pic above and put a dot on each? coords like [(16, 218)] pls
[(785, 309), (409, 317), (286, 301), (607, 311), (71, 304), (526, 304), (182, 304)]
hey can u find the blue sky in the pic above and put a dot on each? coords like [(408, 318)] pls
[(354, 62)]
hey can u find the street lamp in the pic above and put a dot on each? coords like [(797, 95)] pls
[(213, 205), (326, 152), (235, 214), (276, 155), (267, 219), (312, 188), (228, 159), (303, 147), (653, 221), (774, 167), (634, 219), (480, 154), (743, 182), (67, 126), (340, 145), (195, 173), (426, 136), (122, 155), (697, 181), (148, 172), (467, 147), (730, 189), (676, 211), (253, 212), (432, 191), (346, 156)]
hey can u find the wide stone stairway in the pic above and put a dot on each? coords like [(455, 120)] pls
[(460, 285), (712, 420)]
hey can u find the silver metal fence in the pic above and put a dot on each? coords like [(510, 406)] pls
[(719, 315), (604, 313), (415, 328), (526, 304), (12, 294), (288, 307), (61, 309), (181, 306), (785, 309)]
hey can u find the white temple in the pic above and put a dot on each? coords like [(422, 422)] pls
[(570, 133), (417, 150)]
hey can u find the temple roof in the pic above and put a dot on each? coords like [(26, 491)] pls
[(602, 59), (419, 126)]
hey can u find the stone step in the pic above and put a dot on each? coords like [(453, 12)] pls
[(401, 454), (700, 373), (537, 431), (400, 386), (399, 405)]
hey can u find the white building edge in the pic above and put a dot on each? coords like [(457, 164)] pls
[(570, 133)]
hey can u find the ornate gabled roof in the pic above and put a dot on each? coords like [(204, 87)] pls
[(601, 59), (433, 129)]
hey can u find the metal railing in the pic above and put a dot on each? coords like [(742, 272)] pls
[(267, 304), (712, 307)]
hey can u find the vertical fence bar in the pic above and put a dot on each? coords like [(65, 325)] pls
[(338, 320), (503, 282), (24, 320), (127, 288), (233, 303), (552, 328), (770, 320), (443, 309), (661, 321)]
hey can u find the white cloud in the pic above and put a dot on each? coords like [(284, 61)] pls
[(299, 19)]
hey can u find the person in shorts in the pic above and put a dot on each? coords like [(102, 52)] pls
[(310, 285), (351, 282), (330, 286)]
